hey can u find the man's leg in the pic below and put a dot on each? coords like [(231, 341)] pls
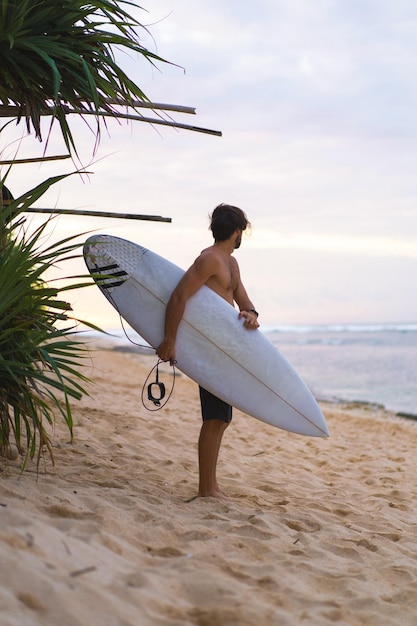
[(211, 435)]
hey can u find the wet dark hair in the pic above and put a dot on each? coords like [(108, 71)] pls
[(225, 219)]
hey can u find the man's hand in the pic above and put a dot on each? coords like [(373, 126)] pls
[(251, 321), (166, 351)]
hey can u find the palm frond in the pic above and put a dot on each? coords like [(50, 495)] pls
[(61, 52), (40, 355)]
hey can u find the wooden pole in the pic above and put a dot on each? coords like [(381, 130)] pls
[(112, 214), (59, 157), (138, 104), (149, 120), (11, 111)]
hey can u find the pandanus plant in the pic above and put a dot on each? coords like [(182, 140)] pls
[(40, 354), (55, 55), (58, 56)]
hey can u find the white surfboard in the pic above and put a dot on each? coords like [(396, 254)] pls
[(213, 348)]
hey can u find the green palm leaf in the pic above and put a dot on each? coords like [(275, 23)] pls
[(40, 355), (56, 56), (60, 53)]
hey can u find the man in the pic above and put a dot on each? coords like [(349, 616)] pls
[(218, 269)]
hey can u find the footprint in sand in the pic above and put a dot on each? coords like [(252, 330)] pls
[(136, 580), (59, 510), (166, 552), (31, 601), (364, 543), (309, 526)]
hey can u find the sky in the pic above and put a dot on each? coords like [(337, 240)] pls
[(317, 104)]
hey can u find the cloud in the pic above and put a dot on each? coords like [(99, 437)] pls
[(337, 244), (317, 104)]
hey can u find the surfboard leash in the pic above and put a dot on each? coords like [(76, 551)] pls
[(154, 397), (157, 397)]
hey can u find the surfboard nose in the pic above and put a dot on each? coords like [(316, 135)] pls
[(107, 250)]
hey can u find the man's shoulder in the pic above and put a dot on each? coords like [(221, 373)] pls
[(210, 250), (208, 255), (208, 261)]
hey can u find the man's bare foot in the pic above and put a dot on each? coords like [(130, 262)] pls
[(215, 494)]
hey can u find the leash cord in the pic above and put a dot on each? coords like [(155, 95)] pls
[(161, 387), (156, 400)]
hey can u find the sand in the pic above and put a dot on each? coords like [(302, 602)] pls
[(317, 531)]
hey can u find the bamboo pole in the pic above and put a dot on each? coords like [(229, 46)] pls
[(112, 214), (138, 104), (59, 157), (9, 111), (149, 120)]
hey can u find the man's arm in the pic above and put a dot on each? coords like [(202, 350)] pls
[(194, 278), (246, 306)]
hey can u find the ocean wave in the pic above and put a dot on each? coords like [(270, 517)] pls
[(339, 328)]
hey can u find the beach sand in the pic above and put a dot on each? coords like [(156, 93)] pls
[(317, 531)]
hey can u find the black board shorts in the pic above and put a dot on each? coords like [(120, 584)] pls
[(212, 408)]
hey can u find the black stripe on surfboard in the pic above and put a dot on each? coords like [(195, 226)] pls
[(115, 283), (116, 274), (107, 268), (106, 281)]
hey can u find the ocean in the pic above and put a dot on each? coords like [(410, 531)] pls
[(375, 364)]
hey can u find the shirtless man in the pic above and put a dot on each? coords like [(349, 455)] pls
[(218, 269)]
